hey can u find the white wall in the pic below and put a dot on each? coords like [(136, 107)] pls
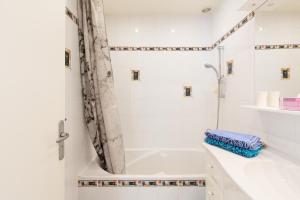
[(156, 30), (286, 30), (154, 112), (225, 16), (78, 149), (268, 64), (239, 86), (282, 132), (239, 47), (278, 131)]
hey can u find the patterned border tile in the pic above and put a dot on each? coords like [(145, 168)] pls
[(277, 46), (244, 21), (73, 17), (140, 183), (127, 48)]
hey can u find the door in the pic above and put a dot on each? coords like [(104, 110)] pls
[(32, 99)]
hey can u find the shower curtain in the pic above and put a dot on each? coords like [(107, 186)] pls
[(100, 109)]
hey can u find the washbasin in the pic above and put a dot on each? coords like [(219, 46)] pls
[(281, 176)]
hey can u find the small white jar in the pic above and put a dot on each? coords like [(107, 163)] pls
[(262, 99), (274, 99)]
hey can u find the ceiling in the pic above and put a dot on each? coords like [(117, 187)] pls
[(134, 7), (281, 5)]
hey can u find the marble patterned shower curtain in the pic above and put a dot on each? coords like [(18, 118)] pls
[(100, 109)]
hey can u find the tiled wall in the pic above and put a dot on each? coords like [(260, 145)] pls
[(281, 131), (248, 17), (78, 150), (268, 62), (146, 45), (286, 30), (170, 53), (154, 111), (239, 48), (277, 130)]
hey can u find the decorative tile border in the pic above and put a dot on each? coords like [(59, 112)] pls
[(249, 17), (140, 183), (277, 46), (73, 17), (244, 21), (127, 48)]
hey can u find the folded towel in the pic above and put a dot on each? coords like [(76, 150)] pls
[(237, 150), (236, 139)]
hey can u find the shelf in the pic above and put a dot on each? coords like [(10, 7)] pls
[(272, 110)]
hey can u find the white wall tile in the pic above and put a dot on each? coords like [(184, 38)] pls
[(279, 131), (268, 66), (147, 193), (284, 31), (191, 193), (155, 30), (281, 126), (90, 193), (126, 193), (167, 193), (153, 110)]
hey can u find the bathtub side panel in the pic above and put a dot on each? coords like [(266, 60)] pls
[(142, 193)]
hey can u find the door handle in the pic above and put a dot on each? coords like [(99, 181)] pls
[(62, 136)]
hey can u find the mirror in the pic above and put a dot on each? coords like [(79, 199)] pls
[(277, 50)]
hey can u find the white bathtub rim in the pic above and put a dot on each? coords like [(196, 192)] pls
[(104, 175), (152, 151), (199, 149)]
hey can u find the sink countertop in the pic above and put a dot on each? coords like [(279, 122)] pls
[(268, 176)]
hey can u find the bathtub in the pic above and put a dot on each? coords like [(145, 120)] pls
[(156, 174)]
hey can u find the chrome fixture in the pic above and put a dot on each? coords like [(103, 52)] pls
[(219, 79), (209, 66), (62, 136)]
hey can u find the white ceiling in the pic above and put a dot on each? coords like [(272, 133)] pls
[(281, 5), (134, 7)]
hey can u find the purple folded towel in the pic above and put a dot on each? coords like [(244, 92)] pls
[(250, 142)]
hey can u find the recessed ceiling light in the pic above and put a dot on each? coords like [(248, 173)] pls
[(260, 28), (206, 10), (136, 30), (172, 31)]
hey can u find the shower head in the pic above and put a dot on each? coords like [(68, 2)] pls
[(209, 66)]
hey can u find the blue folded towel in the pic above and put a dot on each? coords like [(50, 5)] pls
[(249, 142), (234, 149)]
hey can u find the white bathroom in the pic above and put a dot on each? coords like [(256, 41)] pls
[(152, 100)]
